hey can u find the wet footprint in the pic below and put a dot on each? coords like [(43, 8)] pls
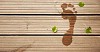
[(68, 9), (21, 49)]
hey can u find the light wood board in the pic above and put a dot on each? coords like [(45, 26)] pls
[(23, 24)]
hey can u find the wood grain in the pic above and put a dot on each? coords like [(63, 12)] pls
[(23, 24), (32, 24), (46, 6), (50, 43)]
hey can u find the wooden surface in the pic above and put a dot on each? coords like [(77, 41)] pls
[(44, 24), (50, 44), (46, 6), (31, 24)]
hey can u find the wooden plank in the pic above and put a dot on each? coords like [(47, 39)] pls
[(32, 24), (42, 7), (50, 43)]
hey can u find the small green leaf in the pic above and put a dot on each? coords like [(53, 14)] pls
[(54, 29), (88, 30), (81, 4)]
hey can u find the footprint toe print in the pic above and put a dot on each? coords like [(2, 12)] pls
[(68, 9)]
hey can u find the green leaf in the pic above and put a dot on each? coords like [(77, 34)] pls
[(88, 30), (81, 4), (54, 29)]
